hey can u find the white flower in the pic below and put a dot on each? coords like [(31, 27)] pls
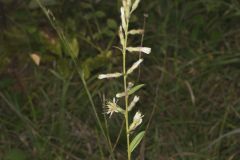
[(110, 75), (146, 50), (133, 103), (112, 107), (122, 94), (137, 120), (136, 31), (134, 66)]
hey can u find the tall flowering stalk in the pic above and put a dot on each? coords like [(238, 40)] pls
[(128, 7)]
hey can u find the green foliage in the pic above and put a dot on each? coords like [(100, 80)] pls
[(193, 41), (91, 64), (136, 140), (135, 89), (16, 154)]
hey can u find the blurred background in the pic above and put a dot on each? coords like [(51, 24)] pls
[(191, 98)]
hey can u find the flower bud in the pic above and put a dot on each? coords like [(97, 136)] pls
[(134, 66), (110, 75), (146, 50), (137, 120), (133, 103)]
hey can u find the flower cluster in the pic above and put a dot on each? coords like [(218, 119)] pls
[(128, 7)]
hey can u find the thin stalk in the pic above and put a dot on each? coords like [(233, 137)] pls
[(66, 44), (125, 90), (140, 53)]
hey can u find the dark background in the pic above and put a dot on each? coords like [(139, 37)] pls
[(190, 101)]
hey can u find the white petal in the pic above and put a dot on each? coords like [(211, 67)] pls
[(137, 117)]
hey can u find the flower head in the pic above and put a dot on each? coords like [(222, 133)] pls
[(137, 120), (112, 107)]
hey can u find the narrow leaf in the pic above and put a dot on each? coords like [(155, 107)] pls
[(130, 91), (136, 88), (136, 141)]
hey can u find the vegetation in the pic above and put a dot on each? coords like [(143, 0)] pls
[(51, 102)]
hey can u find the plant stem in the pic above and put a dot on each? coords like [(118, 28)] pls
[(66, 44), (126, 93)]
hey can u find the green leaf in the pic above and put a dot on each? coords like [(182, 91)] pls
[(136, 141), (16, 154), (134, 89), (57, 75), (100, 14), (74, 48), (112, 24), (6, 82), (93, 63)]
